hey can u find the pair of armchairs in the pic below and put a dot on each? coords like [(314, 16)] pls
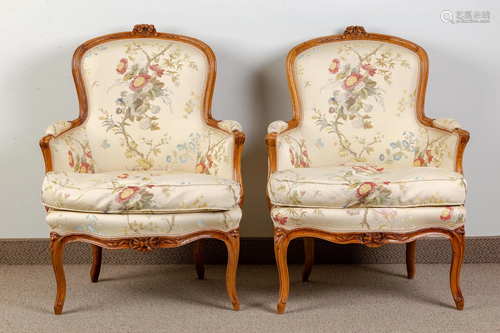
[(145, 165)]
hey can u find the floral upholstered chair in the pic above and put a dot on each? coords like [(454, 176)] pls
[(360, 162), (145, 165)]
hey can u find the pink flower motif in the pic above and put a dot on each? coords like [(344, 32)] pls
[(71, 158), (88, 154), (369, 68), (127, 194), (292, 157), (305, 153), (365, 188), (352, 81), (139, 82), (122, 66), (157, 69), (429, 155), (280, 218), (302, 164), (419, 162), (446, 214), (302, 193), (334, 66), (123, 176), (210, 161), (84, 168)]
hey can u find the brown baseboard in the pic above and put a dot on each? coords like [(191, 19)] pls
[(254, 251)]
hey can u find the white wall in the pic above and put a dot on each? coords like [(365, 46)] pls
[(251, 41)]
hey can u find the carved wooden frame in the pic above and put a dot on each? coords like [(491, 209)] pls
[(146, 243), (283, 236)]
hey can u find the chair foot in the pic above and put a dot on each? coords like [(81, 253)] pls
[(198, 259), (309, 258), (410, 258), (56, 254), (96, 265), (233, 251), (281, 242), (458, 245)]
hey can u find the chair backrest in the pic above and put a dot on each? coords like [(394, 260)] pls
[(359, 97), (144, 98)]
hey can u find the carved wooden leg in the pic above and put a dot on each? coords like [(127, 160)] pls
[(309, 261), (411, 248), (281, 242), (458, 245), (198, 259), (233, 252), (96, 265), (56, 254)]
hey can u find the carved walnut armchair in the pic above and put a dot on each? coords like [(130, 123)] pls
[(360, 162), (145, 165)]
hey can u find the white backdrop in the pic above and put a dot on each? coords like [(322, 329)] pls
[(251, 40)]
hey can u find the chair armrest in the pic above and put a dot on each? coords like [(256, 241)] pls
[(57, 128), (230, 126), (66, 148), (286, 147), (446, 124), (220, 151), (441, 144), (277, 126)]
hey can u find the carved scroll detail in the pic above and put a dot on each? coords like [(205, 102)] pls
[(145, 29)]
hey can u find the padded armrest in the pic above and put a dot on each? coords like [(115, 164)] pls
[(446, 124), (441, 144), (230, 126), (277, 126), (67, 149), (57, 128)]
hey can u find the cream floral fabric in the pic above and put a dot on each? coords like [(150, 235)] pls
[(447, 123), (145, 110), (369, 219), (71, 152), (215, 154), (363, 185), (230, 125), (358, 105), (277, 126), (138, 192), (57, 128), (122, 225)]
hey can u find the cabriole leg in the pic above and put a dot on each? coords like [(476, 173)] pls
[(281, 242), (458, 245), (411, 248), (233, 251), (309, 258), (56, 254), (198, 259), (96, 265)]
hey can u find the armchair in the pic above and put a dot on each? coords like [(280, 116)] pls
[(145, 165), (360, 162)]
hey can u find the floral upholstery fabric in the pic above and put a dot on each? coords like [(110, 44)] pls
[(57, 128), (230, 125), (122, 225), (71, 152), (369, 219), (145, 111), (358, 105), (277, 126), (363, 185), (447, 123), (139, 192)]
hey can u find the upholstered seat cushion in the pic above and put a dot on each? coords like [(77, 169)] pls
[(120, 225), (363, 185), (369, 219), (139, 192)]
